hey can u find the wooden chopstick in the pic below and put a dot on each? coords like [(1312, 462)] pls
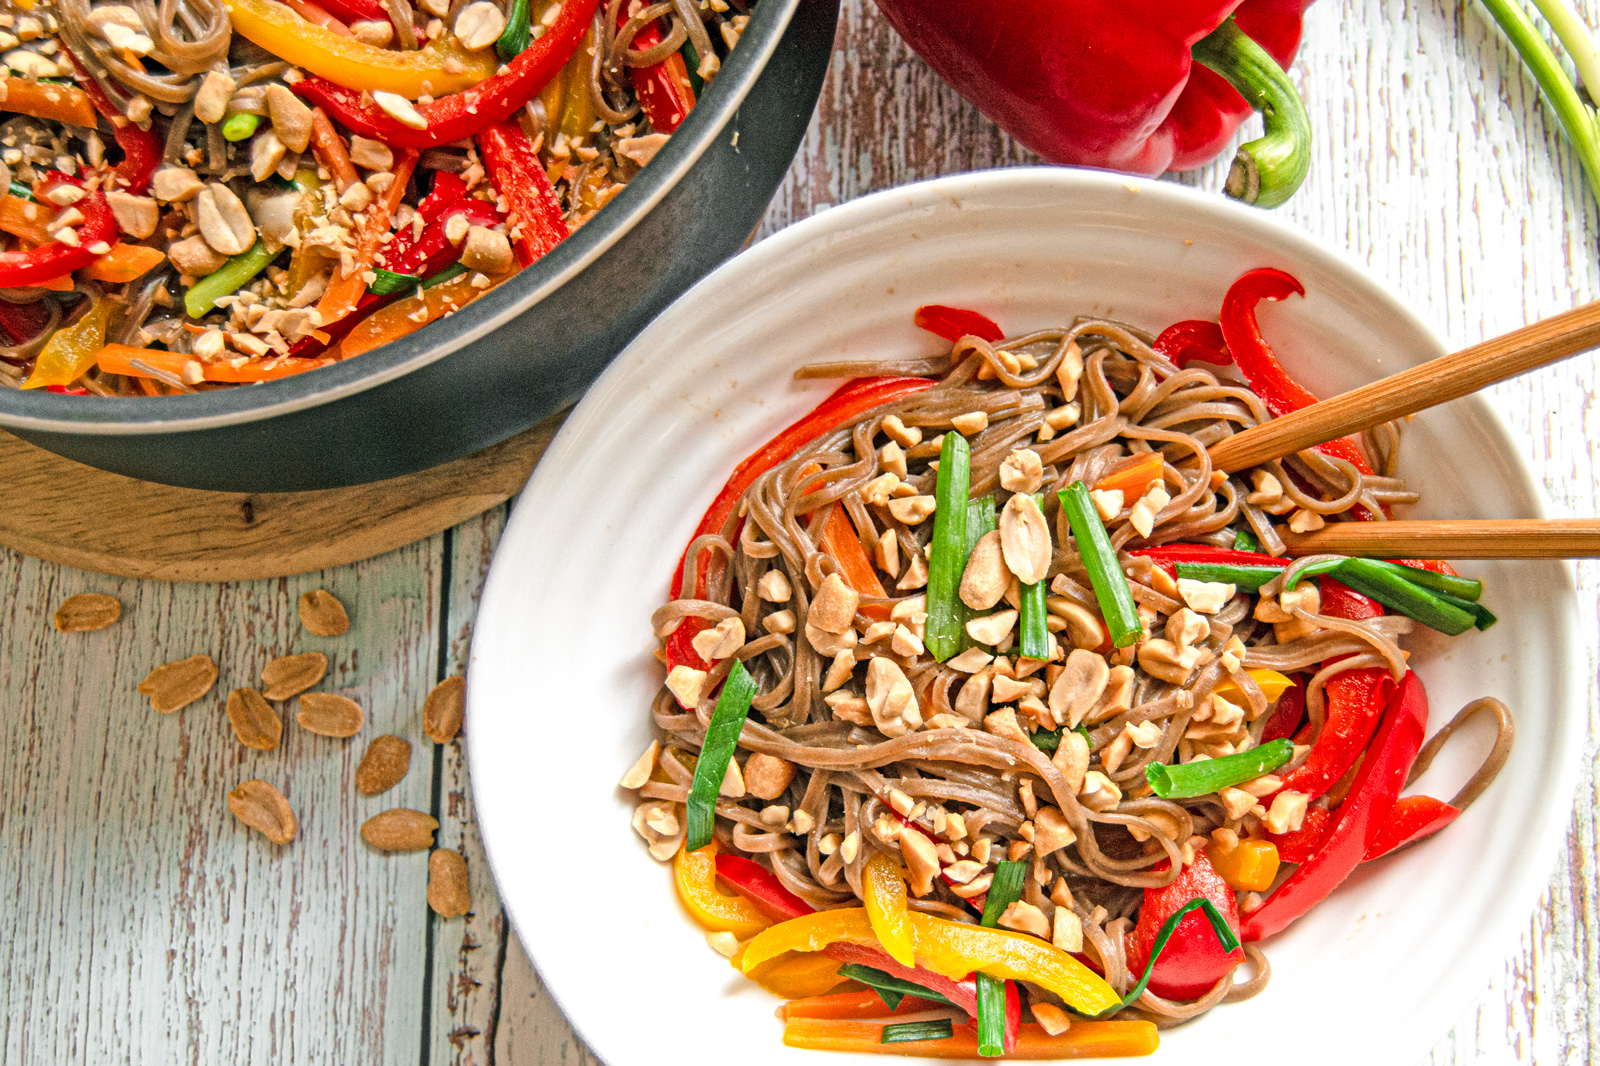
[(1516, 538), (1434, 382)]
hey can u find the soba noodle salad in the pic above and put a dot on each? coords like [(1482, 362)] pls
[(996, 721), (205, 193)]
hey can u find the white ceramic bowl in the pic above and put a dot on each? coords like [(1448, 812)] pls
[(562, 675)]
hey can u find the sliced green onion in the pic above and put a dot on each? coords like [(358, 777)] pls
[(980, 520), (1105, 573), (1462, 588), (1046, 740), (230, 277), (1326, 566), (887, 985), (1219, 926), (1245, 541), (1035, 643), (20, 190), (1212, 775), (1399, 594), (240, 126), (1483, 618), (906, 1032), (1004, 890), (514, 38), (388, 281), (722, 737), (1245, 578), (454, 270), (691, 59), (947, 557)]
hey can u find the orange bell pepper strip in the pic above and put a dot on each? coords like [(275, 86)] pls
[(119, 359), (799, 976), (695, 875), (125, 263), (1085, 1040), (432, 71), (47, 100), (950, 949), (1133, 478), (840, 540), (1249, 866), (852, 1005), (345, 290), (26, 219), (411, 314), (883, 891), (70, 352)]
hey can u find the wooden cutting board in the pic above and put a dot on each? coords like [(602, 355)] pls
[(63, 511)]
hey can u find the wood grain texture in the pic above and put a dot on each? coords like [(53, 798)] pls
[(139, 924), (56, 509), (1511, 538)]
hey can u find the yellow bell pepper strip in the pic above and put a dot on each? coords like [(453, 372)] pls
[(69, 354), (799, 976), (695, 875), (431, 71), (950, 949), (1271, 683), (883, 890), (1249, 866), (47, 100), (1085, 1040)]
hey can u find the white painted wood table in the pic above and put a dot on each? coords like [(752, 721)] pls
[(139, 923)]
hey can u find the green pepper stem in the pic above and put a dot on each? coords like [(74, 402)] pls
[(1269, 169), (1577, 118)]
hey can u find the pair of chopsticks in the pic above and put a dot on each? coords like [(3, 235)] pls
[(1435, 382)]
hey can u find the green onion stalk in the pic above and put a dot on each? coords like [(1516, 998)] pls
[(1578, 119)]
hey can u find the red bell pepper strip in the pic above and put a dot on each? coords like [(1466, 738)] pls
[(962, 993), (1193, 340), (23, 321), (1168, 556), (847, 403), (953, 323), (537, 222), (96, 234), (1285, 717), (1256, 361), (141, 148), (466, 114), (1193, 960), (447, 189), (1411, 819), (350, 11), (432, 251), (665, 95), (1116, 85), (1360, 820), (757, 884)]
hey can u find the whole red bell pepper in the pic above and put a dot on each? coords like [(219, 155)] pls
[(1359, 820), (845, 404), (1133, 85), (465, 114), (1193, 960), (537, 223)]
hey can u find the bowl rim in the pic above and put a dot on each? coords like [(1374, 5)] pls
[(1521, 889), (35, 411)]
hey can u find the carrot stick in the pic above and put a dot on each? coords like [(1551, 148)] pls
[(840, 540), (1134, 477), (124, 263), (411, 314), (851, 1005), (47, 100), (1113, 1039), (330, 150), (119, 359), (345, 290), (26, 219)]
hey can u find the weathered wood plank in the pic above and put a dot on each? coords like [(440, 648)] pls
[(141, 922)]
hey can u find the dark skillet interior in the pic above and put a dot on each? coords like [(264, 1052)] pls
[(406, 406)]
